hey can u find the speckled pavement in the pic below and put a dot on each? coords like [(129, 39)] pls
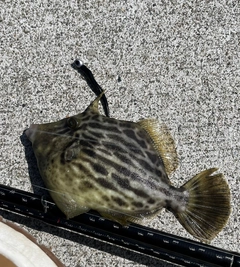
[(173, 60)]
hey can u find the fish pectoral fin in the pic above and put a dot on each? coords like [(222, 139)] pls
[(163, 142), (71, 152)]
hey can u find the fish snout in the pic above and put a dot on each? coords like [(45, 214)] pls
[(31, 131)]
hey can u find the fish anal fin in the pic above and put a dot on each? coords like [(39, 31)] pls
[(116, 217), (163, 142), (125, 219)]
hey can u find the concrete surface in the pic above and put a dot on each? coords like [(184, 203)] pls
[(173, 60)]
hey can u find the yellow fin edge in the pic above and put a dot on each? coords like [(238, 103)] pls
[(163, 142)]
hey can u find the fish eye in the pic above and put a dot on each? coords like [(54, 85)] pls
[(72, 123)]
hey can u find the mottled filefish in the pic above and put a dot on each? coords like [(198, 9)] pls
[(121, 168)]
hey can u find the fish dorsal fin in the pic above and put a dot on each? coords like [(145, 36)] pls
[(163, 142), (94, 104)]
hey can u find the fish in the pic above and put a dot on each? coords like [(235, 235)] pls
[(121, 169)]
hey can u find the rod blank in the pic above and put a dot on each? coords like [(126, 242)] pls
[(135, 237)]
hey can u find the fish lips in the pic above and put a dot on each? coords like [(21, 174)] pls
[(31, 131)]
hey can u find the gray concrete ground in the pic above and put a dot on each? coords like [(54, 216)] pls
[(173, 60)]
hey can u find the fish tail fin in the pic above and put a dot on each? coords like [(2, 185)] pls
[(208, 207)]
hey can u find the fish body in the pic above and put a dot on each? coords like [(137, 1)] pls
[(121, 168), (100, 163)]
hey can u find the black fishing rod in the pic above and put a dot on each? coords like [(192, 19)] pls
[(138, 238)]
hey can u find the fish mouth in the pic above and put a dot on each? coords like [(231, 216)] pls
[(31, 131)]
